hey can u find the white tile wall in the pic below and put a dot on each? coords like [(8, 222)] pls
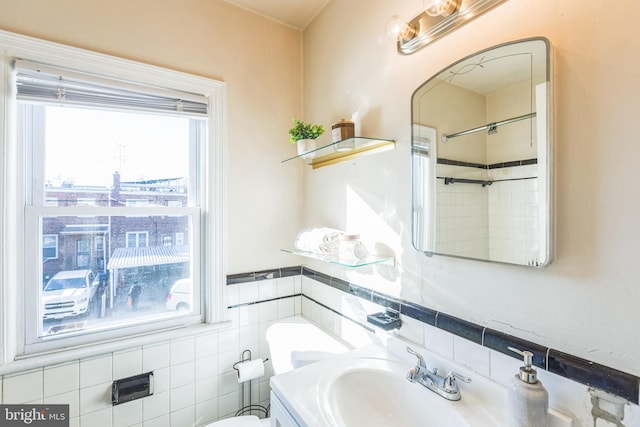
[(23, 388), (127, 363), (438, 341), (472, 355), (194, 381), (462, 223), (96, 370), (128, 414), (514, 216), (565, 396), (507, 212), (61, 379)]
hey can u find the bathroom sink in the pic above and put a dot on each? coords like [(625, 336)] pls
[(379, 395), (368, 387)]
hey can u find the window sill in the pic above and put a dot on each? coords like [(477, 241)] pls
[(40, 360)]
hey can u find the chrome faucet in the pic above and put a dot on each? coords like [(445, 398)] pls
[(446, 386)]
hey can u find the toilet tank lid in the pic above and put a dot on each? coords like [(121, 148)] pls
[(243, 421), (297, 334)]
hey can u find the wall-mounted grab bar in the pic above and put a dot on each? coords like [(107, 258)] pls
[(490, 127)]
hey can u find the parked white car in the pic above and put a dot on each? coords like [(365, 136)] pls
[(69, 293), (180, 296)]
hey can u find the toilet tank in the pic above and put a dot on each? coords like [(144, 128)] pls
[(295, 342)]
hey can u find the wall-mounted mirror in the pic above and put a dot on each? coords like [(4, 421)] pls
[(481, 154)]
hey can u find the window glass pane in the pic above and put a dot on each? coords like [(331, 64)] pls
[(97, 282), (49, 246), (111, 201), (109, 158)]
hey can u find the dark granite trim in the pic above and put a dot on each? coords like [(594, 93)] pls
[(276, 273), (460, 327), (234, 279), (290, 271), (451, 162), (511, 164), (385, 301), (594, 375), (571, 367), (500, 342), (420, 313), (340, 284), (267, 274), (360, 292), (322, 278)]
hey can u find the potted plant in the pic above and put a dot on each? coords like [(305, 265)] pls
[(304, 135)]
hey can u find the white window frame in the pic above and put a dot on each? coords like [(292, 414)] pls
[(137, 202), (13, 181)]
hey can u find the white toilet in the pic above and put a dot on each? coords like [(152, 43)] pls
[(293, 342), (243, 421)]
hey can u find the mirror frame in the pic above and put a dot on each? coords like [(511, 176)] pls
[(545, 170)]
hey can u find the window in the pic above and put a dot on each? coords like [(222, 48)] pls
[(137, 239), (179, 239), (49, 247), (83, 255), (99, 241), (110, 166)]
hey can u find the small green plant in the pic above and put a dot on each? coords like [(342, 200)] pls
[(302, 130)]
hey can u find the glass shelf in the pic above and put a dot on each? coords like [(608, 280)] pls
[(344, 150), (333, 259)]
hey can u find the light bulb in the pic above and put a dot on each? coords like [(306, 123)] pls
[(431, 7), (399, 29), (441, 7)]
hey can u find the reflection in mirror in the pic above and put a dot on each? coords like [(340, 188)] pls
[(481, 153)]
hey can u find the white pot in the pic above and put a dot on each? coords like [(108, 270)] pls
[(306, 147)]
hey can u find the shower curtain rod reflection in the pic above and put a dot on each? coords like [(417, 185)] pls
[(448, 181), (491, 127)]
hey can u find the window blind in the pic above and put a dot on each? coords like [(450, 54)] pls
[(53, 85)]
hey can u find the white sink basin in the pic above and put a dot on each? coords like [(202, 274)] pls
[(378, 395), (368, 388)]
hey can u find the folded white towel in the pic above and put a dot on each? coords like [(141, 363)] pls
[(323, 241)]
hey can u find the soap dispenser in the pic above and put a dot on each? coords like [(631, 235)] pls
[(528, 400)]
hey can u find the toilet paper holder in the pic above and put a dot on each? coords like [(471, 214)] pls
[(248, 409), (246, 357)]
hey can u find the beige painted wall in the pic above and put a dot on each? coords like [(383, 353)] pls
[(586, 301), (515, 141), (457, 109), (260, 61)]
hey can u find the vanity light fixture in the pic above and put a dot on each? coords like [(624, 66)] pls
[(400, 30), (441, 7), (438, 18)]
